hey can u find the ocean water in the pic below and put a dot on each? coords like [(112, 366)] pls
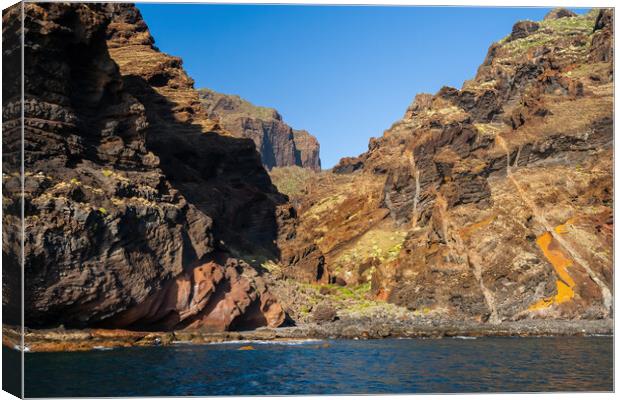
[(329, 367)]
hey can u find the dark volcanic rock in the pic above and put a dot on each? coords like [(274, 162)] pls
[(523, 29), (602, 40), (11, 163), (278, 144), (133, 195), (302, 258), (348, 165), (324, 313), (558, 13)]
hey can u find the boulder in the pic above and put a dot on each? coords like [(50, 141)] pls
[(558, 13), (523, 29)]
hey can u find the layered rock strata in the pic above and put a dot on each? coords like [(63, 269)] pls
[(497, 196), (134, 198)]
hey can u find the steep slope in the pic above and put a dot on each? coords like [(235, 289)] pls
[(278, 144), (134, 197), (492, 202)]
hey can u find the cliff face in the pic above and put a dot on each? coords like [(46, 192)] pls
[(134, 197), (11, 163), (489, 203), (278, 144), (492, 202)]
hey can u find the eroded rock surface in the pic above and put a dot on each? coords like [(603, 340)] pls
[(497, 196), (278, 144), (134, 198), (492, 203)]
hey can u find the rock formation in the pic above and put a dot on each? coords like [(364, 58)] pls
[(492, 202), (11, 162), (278, 144), (147, 204), (135, 200)]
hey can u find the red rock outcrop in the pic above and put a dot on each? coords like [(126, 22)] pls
[(132, 192), (211, 297), (278, 144)]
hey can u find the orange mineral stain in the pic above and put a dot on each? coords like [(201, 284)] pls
[(468, 230), (560, 264), (562, 229)]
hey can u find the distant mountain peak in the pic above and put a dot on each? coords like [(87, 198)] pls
[(278, 144)]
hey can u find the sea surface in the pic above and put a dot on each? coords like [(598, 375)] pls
[(445, 365)]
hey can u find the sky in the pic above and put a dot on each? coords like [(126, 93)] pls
[(343, 73)]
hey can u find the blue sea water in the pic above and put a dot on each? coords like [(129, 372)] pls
[(340, 367)]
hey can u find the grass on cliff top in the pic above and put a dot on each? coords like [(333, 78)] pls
[(550, 30), (583, 23), (241, 106), (291, 180)]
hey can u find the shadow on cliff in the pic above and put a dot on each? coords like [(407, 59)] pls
[(221, 175)]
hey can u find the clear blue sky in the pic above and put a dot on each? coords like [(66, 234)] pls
[(343, 73)]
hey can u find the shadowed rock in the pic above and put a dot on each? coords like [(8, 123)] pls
[(135, 199)]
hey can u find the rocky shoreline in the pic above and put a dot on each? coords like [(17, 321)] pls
[(483, 211), (56, 340)]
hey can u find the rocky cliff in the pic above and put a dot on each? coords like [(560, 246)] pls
[(135, 199), (492, 202), (278, 144), (144, 209), (11, 162)]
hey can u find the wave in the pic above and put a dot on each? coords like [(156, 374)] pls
[(289, 342), (102, 348)]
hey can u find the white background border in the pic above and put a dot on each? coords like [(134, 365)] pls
[(484, 3)]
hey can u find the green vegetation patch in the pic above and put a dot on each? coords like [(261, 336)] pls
[(550, 31), (580, 24), (291, 180), (384, 245)]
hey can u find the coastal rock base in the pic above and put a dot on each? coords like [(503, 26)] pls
[(95, 339)]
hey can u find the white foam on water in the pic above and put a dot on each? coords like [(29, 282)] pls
[(291, 342), (465, 337)]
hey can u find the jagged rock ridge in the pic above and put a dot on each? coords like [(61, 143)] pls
[(278, 144), (496, 198)]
